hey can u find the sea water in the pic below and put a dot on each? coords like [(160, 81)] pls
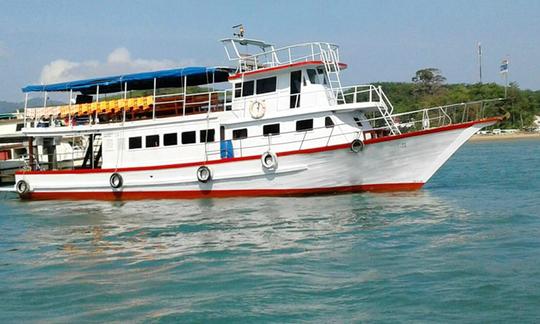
[(465, 248)]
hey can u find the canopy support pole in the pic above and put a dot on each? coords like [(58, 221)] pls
[(124, 107), (154, 100), (96, 121), (25, 107), (70, 102), (185, 92)]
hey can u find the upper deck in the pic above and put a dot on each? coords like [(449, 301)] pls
[(305, 76)]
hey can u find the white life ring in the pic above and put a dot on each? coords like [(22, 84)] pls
[(269, 160), (257, 109), (357, 146), (204, 174), (116, 181), (22, 187)]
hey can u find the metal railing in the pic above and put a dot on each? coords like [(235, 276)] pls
[(434, 117), (315, 51)]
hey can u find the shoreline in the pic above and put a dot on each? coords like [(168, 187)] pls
[(504, 137)]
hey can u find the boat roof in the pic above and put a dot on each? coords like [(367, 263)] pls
[(171, 78)]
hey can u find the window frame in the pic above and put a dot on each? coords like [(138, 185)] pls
[(211, 132), (273, 88), (265, 133), (302, 121), (175, 139), (149, 138), (135, 138), (189, 132), (234, 137)]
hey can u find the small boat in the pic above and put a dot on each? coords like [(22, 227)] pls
[(278, 122)]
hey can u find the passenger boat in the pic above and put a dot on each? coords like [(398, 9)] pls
[(14, 149), (278, 123)]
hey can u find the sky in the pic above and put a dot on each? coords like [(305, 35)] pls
[(51, 41)]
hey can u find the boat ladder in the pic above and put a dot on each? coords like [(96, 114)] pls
[(331, 65)]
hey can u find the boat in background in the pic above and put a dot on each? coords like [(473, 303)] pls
[(277, 123), (14, 149)]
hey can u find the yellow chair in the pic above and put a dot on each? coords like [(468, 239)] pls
[(84, 109), (132, 103), (122, 103), (113, 106), (64, 111), (94, 106), (141, 102), (150, 101)]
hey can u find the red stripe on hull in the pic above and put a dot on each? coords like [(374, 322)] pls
[(255, 157), (197, 194)]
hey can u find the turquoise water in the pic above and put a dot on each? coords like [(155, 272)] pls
[(466, 248)]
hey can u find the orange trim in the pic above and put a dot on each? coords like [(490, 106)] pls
[(195, 194), (255, 157), (281, 67)]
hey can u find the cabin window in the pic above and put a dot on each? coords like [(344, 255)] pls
[(188, 137), (238, 90), (19, 127), (239, 134), (170, 139), (244, 89), (266, 85), (328, 122), (207, 135), (152, 141), (322, 76), (135, 143), (272, 129), (357, 121), (247, 88), (296, 84), (304, 125), (312, 74)]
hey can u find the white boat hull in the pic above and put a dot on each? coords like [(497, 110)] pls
[(402, 162)]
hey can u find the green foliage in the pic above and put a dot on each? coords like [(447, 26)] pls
[(521, 104)]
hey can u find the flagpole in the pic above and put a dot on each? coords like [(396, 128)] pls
[(480, 60), (506, 78)]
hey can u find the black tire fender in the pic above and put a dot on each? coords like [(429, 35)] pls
[(22, 187), (357, 146), (116, 181), (204, 174)]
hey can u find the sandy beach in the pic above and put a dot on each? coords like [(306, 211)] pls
[(504, 137)]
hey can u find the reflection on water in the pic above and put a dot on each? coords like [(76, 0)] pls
[(159, 230)]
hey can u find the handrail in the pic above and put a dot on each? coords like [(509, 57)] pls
[(285, 55)]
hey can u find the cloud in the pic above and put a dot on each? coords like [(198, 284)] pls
[(118, 61)]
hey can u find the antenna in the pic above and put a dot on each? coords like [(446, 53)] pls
[(241, 30)]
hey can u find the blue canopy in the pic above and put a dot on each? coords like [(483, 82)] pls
[(139, 81)]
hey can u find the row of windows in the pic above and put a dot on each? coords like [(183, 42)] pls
[(170, 139), (260, 86), (274, 129), (208, 135)]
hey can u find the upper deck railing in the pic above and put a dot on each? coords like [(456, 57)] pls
[(271, 57)]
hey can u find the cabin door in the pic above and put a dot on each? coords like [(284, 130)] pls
[(296, 84)]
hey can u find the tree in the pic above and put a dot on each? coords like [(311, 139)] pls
[(428, 81)]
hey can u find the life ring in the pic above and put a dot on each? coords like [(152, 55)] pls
[(22, 187), (257, 109), (269, 160), (116, 180), (357, 146), (204, 174)]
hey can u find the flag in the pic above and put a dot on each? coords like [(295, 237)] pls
[(479, 49), (504, 66)]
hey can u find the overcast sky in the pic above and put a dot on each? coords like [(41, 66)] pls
[(49, 41)]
